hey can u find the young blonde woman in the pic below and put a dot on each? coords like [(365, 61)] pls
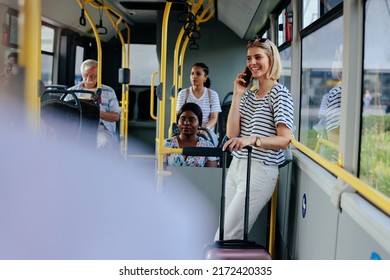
[(261, 117)]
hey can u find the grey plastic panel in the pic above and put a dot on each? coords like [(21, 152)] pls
[(315, 220), (364, 232)]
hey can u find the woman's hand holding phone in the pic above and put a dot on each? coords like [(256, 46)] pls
[(242, 81), (247, 77)]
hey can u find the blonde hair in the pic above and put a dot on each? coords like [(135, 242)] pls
[(273, 55)]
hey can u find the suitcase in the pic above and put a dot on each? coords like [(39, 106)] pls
[(236, 249)]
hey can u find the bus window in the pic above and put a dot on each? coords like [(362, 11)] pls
[(13, 23), (285, 25), (285, 78), (144, 62), (47, 54), (314, 9), (321, 89), (47, 69), (375, 133), (79, 61), (47, 40)]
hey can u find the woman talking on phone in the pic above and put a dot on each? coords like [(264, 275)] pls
[(262, 117)]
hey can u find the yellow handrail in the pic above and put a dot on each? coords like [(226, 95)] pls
[(178, 60), (272, 223), (161, 119), (329, 144), (125, 97), (194, 10), (126, 60), (374, 196), (98, 41), (125, 88), (185, 43), (152, 115)]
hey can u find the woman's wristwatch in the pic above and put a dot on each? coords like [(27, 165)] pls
[(258, 142)]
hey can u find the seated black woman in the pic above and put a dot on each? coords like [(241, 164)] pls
[(189, 119)]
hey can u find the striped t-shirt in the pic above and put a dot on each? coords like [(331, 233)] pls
[(207, 106), (258, 119), (333, 108)]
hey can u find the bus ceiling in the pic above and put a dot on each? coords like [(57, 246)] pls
[(244, 20)]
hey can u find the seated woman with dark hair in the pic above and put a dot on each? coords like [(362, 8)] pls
[(189, 119)]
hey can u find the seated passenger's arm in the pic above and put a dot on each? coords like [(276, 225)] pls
[(212, 121), (109, 116)]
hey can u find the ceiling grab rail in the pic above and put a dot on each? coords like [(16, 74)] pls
[(100, 27), (82, 20), (374, 196)]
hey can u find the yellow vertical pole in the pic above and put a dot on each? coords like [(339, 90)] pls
[(152, 115), (125, 88), (161, 115), (181, 61), (125, 97), (272, 226), (30, 56), (175, 77)]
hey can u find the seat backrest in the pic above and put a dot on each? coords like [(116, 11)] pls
[(223, 115), (62, 118), (62, 111), (208, 135)]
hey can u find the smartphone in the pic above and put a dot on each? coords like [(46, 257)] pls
[(248, 76)]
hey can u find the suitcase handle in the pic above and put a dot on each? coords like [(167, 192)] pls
[(223, 198), (247, 193), (238, 244)]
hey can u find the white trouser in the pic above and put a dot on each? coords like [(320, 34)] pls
[(105, 140), (262, 184)]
